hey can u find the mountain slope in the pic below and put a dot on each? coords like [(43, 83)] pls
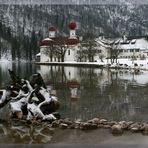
[(29, 23)]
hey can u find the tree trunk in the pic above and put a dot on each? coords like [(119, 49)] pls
[(62, 58), (51, 55)]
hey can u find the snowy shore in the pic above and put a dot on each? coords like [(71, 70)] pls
[(121, 63)]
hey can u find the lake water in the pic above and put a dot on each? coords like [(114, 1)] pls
[(84, 93)]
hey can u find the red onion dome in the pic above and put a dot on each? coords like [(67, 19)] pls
[(72, 25), (51, 28)]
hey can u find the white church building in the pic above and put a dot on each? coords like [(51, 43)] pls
[(53, 48)]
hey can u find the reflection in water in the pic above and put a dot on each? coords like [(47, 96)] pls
[(22, 69), (20, 132), (84, 93), (112, 94)]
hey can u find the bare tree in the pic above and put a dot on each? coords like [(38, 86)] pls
[(90, 49), (114, 52), (50, 52), (101, 56), (60, 49), (81, 54)]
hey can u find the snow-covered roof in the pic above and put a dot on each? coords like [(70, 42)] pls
[(38, 55), (60, 41), (125, 43), (102, 43), (139, 43), (117, 41), (47, 39), (133, 41)]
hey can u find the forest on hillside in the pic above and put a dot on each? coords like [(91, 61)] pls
[(23, 26)]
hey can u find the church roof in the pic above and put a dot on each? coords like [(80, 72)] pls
[(59, 41)]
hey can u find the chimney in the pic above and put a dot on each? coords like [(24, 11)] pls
[(124, 38), (72, 28), (52, 32)]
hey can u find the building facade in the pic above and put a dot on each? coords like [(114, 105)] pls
[(69, 48), (125, 47), (132, 47), (59, 49)]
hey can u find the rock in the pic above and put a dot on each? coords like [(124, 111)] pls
[(67, 121), (88, 126), (94, 121), (123, 124), (103, 121), (100, 125), (63, 125), (77, 122), (111, 123), (55, 123), (61, 120), (135, 127), (144, 129), (72, 126), (116, 129), (129, 123)]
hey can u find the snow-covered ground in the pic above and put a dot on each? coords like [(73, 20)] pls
[(121, 63), (126, 63)]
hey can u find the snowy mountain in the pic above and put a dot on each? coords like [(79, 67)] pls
[(24, 25)]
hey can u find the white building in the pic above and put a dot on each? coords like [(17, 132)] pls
[(132, 47), (53, 47), (103, 46), (127, 47), (59, 49)]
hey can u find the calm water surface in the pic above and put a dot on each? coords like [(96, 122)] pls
[(84, 93)]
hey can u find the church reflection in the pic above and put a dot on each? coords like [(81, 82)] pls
[(91, 92)]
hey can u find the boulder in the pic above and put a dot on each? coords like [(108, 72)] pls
[(67, 121), (72, 126), (100, 125), (124, 125), (55, 123), (116, 129), (63, 125), (144, 129), (94, 121), (129, 123), (135, 127), (111, 123), (88, 126), (103, 121)]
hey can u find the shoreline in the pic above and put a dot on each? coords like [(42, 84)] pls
[(77, 64), (114, 127), (120, 64)]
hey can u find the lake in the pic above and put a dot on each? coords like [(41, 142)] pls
[(84, 93)]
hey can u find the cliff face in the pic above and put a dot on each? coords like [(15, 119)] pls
[(23, 25)]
